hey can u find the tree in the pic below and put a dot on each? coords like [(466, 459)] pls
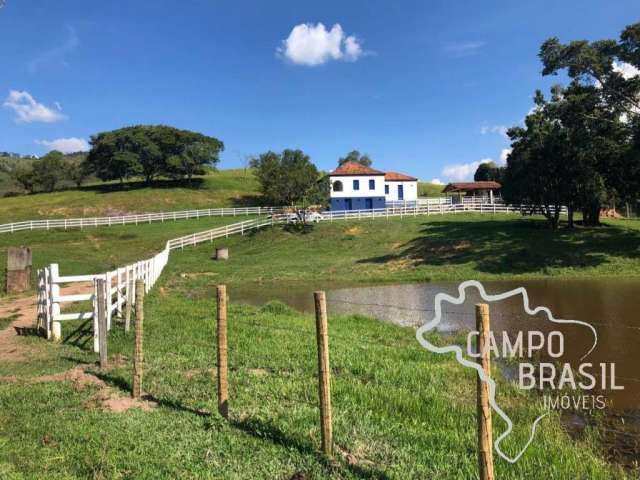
[(537, 167), (194, 157), (287, 178), (356, 157), (488, 171), (151, 151), (601, 110), (49, 170), (75, 170)]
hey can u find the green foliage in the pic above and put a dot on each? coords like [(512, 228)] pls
[(581, 147), (287, 178), (151, 151), (428, 189), (488, 171), (356, 157), (49, 170)]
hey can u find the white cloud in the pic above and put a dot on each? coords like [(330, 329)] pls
[(463, 49), (65, 145), (499, 129), (463, 171), (626, 70), (313, 45), (437, 181), (27, 110), (504, 154)]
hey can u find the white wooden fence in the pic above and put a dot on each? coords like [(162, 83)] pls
[(119, 281), (133, 219)]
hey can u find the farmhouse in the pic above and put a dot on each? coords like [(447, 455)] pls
[(487, 191), (357, 187)]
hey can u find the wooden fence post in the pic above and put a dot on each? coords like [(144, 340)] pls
[(322, 337), (130, 297), (102, 321), (485, 437), (138, 357), (223, 374)]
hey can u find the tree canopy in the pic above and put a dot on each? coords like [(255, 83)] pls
[(356, 157), (488, 171), (287, 178), (151, 151), (580, 148)]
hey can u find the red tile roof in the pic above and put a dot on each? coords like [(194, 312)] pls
[(399, 177), (353, 168), (471, 186)]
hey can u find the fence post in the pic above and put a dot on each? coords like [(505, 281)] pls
[(322, 337), (138, 357), (102, 321), (130, 297), (56, 326), (223, 374), (485, 442)]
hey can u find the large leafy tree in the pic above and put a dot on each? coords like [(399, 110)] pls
[(151, 151), (287, 178), (600, 107), (49, 171), (356, 157), (488, 171)]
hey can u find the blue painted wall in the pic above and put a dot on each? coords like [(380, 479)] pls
[(358, 203)]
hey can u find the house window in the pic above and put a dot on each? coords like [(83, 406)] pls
[(372, 184), (356, 184), (337, 186), (386, 189)]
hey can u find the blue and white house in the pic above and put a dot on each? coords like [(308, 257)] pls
[(356, 187)]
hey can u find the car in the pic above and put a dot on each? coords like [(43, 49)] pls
[(307, 216)]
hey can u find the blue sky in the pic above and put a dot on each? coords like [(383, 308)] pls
[(423, 87)]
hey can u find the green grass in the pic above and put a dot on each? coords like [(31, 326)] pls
[(6, 321), (428, 189), (224, 188), (434, 248), (98, 249), (399, 411)]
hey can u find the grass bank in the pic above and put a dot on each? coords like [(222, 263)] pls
[(98, 249), (226, 188), (399, 411), (434, 248)]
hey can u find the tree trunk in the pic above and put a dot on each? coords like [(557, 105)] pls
[(591, 215), (570, 212)]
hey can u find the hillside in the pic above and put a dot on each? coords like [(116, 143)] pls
[(226, 188), (428, 189)]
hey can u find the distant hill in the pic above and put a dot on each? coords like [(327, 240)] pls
[(428, 189), (226, 188)]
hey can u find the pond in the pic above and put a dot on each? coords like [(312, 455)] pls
[(610, 305)]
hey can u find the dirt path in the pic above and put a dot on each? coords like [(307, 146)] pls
[(11, 350)]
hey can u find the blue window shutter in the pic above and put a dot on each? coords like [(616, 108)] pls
[(356, 184), (372, 184), (386, 189)]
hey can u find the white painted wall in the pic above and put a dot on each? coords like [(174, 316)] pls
[(410, 191), (347, 186)]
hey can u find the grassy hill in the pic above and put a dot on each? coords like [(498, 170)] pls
[(224, 188), (428, 189)]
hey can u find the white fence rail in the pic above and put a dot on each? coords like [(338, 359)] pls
[(119, 282), (66, 223)]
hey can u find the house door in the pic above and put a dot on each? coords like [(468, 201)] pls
[(368, 203), (348, 204), (400, 192)]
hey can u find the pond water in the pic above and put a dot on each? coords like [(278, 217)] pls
[(610, 305)]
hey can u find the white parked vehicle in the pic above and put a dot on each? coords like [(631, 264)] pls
[(307, 216)]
